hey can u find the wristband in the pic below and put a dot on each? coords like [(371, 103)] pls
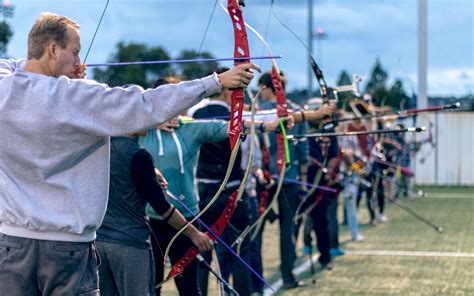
[(170, 214), (303, 118)]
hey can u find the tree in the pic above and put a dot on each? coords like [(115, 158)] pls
[(6, 34), (143, 75), (397, 98), (376, 86), (195, 70)]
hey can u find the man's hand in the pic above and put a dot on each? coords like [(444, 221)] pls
[(170, 125), (239, 76), (79, 73)]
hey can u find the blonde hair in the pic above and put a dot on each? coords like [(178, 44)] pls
[(49, 27)]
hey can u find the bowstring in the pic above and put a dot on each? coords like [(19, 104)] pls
[(96, 30)]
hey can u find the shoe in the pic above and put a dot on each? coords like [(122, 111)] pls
[(373, 222), (287, 286), (358, 238), (336, 252), (382, 218), (307, 250), (272, 216), (327, 266)]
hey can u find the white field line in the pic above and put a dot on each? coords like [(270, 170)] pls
[(409, 253), (296, 271), (306, 265), (448, 195)]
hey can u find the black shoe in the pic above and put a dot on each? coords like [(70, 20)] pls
[(327, 266), (272, 216), (293, 285)]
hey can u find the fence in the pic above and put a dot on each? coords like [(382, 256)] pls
[(451, 161)]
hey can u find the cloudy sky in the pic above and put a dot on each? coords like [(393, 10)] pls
[(357, 33)]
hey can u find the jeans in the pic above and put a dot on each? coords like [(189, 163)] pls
[(350, 199)]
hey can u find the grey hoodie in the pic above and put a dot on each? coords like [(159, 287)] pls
[(54, 146)]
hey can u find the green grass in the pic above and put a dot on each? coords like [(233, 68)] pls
[(449, 207), (447, 189), (380, 275), (406, 275)]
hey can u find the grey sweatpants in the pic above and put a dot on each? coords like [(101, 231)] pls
[(37, 267)]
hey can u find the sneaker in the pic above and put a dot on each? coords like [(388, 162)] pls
[(373, 222), (336, 252), (382, 218), (287, 286), (307, 250), (327, 266), (358, 238)]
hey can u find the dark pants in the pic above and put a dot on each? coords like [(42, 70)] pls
[(308, 227), (256, 261), (321, 228), (368, 197), (377, 189), (38, 267), (288, 201), (186, 283), (229, 265), (333, 225)]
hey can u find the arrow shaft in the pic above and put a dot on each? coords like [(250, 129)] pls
[(182, 61), (358, 133)]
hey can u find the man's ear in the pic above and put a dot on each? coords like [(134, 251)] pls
[(52, 50)]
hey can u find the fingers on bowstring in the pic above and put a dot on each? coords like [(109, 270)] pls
[(249, 66)]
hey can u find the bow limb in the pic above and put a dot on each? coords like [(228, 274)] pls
[(283, 155), (213, 233), (251, 155), (429, 140), (326, 95), (218, 193), (316, 180), (241, 53)]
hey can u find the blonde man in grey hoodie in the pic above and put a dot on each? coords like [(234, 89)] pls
[(54, 156)]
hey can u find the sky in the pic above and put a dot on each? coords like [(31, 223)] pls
[(358, 32)]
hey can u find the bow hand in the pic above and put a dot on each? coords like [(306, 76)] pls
[(199, 239), (239, 76)]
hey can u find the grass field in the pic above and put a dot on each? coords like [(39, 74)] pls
[(401, 257)]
